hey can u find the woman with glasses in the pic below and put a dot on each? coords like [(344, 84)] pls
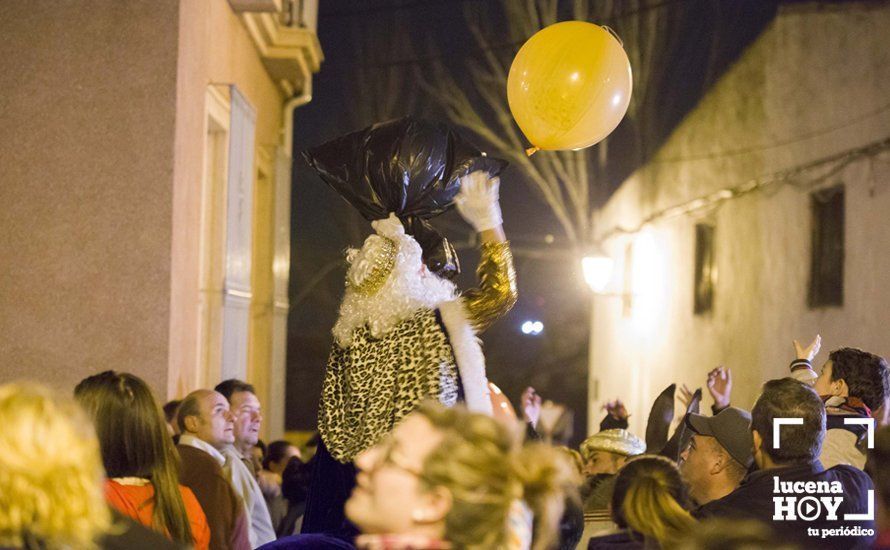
[(448, 478)]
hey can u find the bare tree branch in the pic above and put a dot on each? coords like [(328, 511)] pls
[(495, 65), (563, 180), (548, 11), (549, 173)]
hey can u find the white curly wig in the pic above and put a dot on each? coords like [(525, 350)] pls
[(408, 288)]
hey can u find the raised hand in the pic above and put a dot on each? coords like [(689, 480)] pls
[(685, 396), (531, 406), (478, 201), (720, 386), (616, 409), (550, 414), (809, 352)]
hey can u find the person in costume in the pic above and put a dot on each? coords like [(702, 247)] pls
[(405, 333)]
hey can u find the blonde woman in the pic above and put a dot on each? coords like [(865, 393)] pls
[(650, 505), (50, 472), (448, 478)]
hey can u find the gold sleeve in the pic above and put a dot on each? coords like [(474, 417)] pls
[(496, 293)]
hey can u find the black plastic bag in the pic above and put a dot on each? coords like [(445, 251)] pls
[(407, 166)]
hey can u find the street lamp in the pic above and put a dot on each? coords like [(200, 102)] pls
[(597, 269), (532, 328)]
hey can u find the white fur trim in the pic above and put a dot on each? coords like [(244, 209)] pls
[(468, 354)]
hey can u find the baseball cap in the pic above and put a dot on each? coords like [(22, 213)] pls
[(731, 427)]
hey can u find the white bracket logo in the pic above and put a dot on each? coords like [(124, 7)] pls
[(869, 423), (777, 425)]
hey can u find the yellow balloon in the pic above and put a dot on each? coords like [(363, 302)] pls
[(569, 85)]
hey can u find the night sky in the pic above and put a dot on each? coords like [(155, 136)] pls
[(700, 39)]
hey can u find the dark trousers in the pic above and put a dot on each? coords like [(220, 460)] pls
[(332, 483)]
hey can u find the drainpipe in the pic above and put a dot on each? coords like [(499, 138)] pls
[(287, 126), (283, 171)]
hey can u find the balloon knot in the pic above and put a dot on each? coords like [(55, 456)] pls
[(532, 150)]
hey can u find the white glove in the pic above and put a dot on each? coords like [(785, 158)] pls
[(477, 201)]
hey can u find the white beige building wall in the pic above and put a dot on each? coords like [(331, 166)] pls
[(215, 49), (87, 112), (813, 85), (102, 163)]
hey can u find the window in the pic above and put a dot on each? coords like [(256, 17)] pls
[(226, 235), (827, 258), (237, 291), (705, 271), (213, 236)]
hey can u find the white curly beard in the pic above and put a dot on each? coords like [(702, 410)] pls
[(408, 288)]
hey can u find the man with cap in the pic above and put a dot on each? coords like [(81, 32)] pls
[(604, 454), (718, 455), (791, 491)]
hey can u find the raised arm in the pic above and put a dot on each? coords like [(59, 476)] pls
[(496, 293), (802, 366)]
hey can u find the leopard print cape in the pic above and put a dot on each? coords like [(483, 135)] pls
[(373, 384)]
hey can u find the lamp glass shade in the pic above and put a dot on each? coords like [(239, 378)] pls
[(597, 271)]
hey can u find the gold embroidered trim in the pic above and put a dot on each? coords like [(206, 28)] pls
[(496, 293), (384, 262)]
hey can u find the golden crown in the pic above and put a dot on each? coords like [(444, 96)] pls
[(384, 262)]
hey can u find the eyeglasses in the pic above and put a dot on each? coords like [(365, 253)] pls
[(388, 455)]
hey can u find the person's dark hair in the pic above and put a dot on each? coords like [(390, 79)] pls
[(295, 489), (232, 386), (650, 498), (789, 398), (190, 406), (170, 409), (866, 374), (262, 445), (295, 480), (134, 443), (276, 452)]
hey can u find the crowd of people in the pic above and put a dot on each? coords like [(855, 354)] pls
[(800, 470), (112, 468), (415, 452)]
